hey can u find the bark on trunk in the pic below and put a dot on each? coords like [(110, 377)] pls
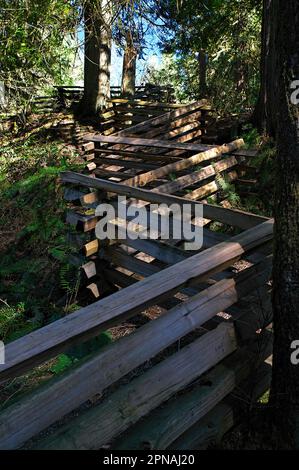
[(202, 58), (263, 115), (284, 398), (97, 56), (129, 68), (240, 67)]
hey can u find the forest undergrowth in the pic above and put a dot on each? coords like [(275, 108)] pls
[(38, 284)]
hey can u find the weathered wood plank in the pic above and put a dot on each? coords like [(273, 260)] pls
[(141, 155), (200, 175), (210, 429), (232, 217), (164, 425), (105, 173), (135, 141), (141, 395), (24, 419), (145, 178), (210, 238), (87, 322), (154, 104), (169, 116)]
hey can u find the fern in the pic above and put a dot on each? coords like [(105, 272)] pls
[(64, 275), (69, 282), (228, 190), (251, 136), (11, 319)]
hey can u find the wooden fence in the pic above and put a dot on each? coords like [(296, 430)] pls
[(197, 348), (66, 97)]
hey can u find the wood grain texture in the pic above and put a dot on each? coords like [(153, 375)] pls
[(129, 403), (136, 141), (87, 322), (145, 178), (232, 217), (22, 420), (166, 424)]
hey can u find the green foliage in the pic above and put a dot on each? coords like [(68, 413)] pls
[(172, 176), (228, 190), (229, 34), (13, 321), (34, 268), (62, 363), (265, 161), (35, 45), (251, 136)]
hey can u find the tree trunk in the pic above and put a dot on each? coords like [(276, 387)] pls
[(284, 397), (129, 68), (239, 44), (202, 58), (263, 115), (97, 18), (240, 77)]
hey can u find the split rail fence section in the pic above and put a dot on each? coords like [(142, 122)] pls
[(65, 97), (197, 339)]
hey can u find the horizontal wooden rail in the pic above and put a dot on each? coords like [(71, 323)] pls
[(187, 180), (210, 429), (146, 142), (164, 118), (234, 217), (141, 395), (22, 420), (164, 425), (151, 175), (87, 322)]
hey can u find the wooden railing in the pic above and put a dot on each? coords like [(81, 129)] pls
[(204, 313), (65, 97)]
